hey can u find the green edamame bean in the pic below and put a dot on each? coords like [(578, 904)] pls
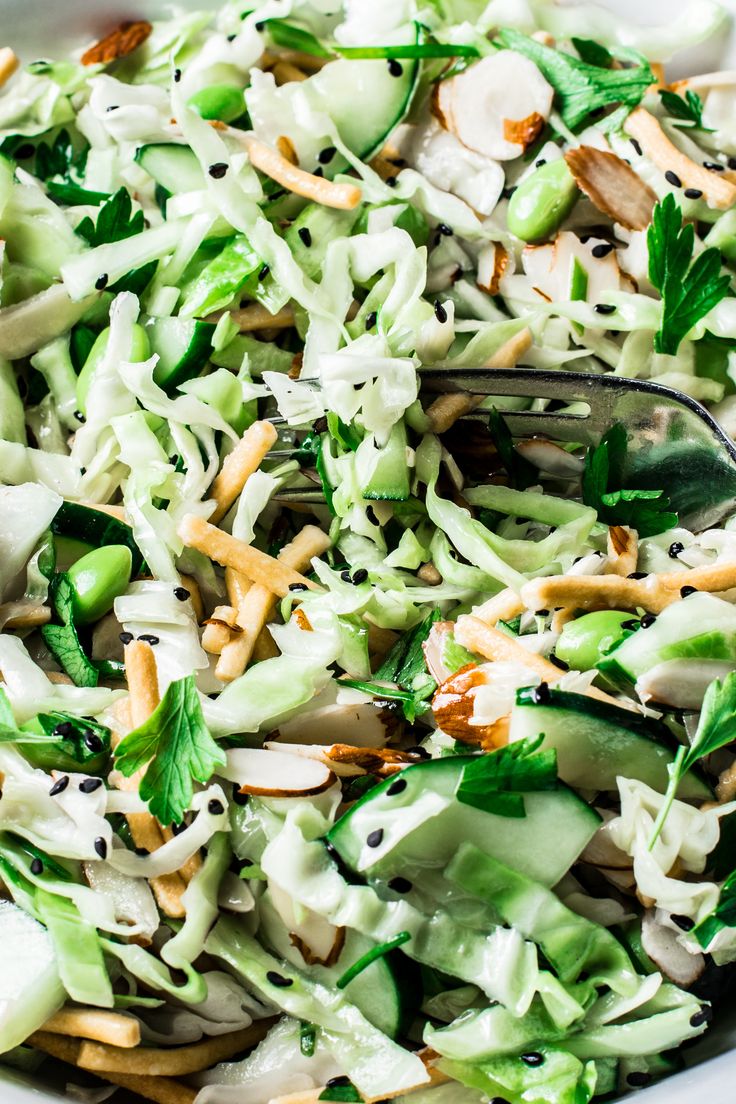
[(542, 201), (97, 580), (140, 350), (586, 639), (224, 102)]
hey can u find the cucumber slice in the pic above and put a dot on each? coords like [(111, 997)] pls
[(183, 346), (699, 627), (174, 167), (423, 826), (595, 742), (377, 991), (95, 527), (31, 991), (383, 473)]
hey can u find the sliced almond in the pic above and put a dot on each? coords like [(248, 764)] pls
[(276, 774), (623, 550), (551, 458), (453, 707), (674, 960), (612, 186), (523, 132), (493, 261), (717, 191), (318, 941), (9, 63), (119, 43)]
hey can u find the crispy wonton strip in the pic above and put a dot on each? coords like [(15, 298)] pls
[(623, 550), (647, 130), (316, 188), (511, 352), (446, 409), (93, 1023), (256, 317), (504, 606), (249, 561), (218, 629), (258, 604), (142, 676), (171, 1061), (9, 62), (245, 459), (162, 1090)]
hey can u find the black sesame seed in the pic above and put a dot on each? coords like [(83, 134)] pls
[(687, 590), (102, 281), (92, 740), (400, 885), (638, 1079), (375, 838), (126, 637), (604, 308), (336, 1082), (673, 179), (89, 785), (417, 752), (36, 867), (370, 513), (693, 193), (346, 576), (24, 151), (177, 829), (602, 250), (675, 549), (532, 1058), (632, 624), (713, 166), (700, 1018), (101, 847), (215, 807), (149, 638), (371, 319), (325, 155), (498, 1100), (390, 181), (636, 146), (542, 613), (63, 728), (305, 236), (240, 864), (177, 76), (732, 162), (264, 272), (218, 170), (231, 37), (278, 979), (142, 852), (508, 192), (395, 67), (238, 797), (637, 575), (79, 416), (113, 107), (444, 229), (439, 312), (396, 787), (181, 593), (318, 171), (298, 586), (260, 25), (59, 785), (542, 161), (540, 695), (647, 620), (683, 922), (360, 576)]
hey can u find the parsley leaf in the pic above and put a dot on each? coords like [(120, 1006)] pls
[(115, 221), (647, 511), (496, 782), (580, 87), (716, 728), (521, 473), (688, 290), (175, 746), (723, 915), (58, 158), (688, 111), (406, 659), (413, 703), (62, 639), (593, 53)]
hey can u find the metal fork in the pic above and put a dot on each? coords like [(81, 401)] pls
[(674, 444)]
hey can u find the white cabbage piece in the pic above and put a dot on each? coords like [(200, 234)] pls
[(26, 512)]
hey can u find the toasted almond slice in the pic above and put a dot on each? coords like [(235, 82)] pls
[(342, 196), (550, 458), (493, 261), (239, 465), (118, 44), (453, 707), (371, 760), (511, 352), (612, 186), (623, 550), (249, 561), (23, 615), (647, 130), (9, 62), (172, 1061), (218, 629), (276, 774), (257, 317), (522, 132), (318, 941), (92, 1023), (675, 961)]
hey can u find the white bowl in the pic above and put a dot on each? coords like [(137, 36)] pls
[(38, 28)]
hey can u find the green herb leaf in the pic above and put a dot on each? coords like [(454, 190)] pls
[(412, 704), (62, 639), (370, 956), (593, 53), (521, 473), (307, 1038), (688, 291), (581, 87), (723, 915), (688, 109), (406, 661), (346, 1093), (496, 782), (176, 747), (58, 158), (115, 221), (647, 511)]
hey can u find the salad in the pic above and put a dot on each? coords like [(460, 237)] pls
[(350, 749)]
